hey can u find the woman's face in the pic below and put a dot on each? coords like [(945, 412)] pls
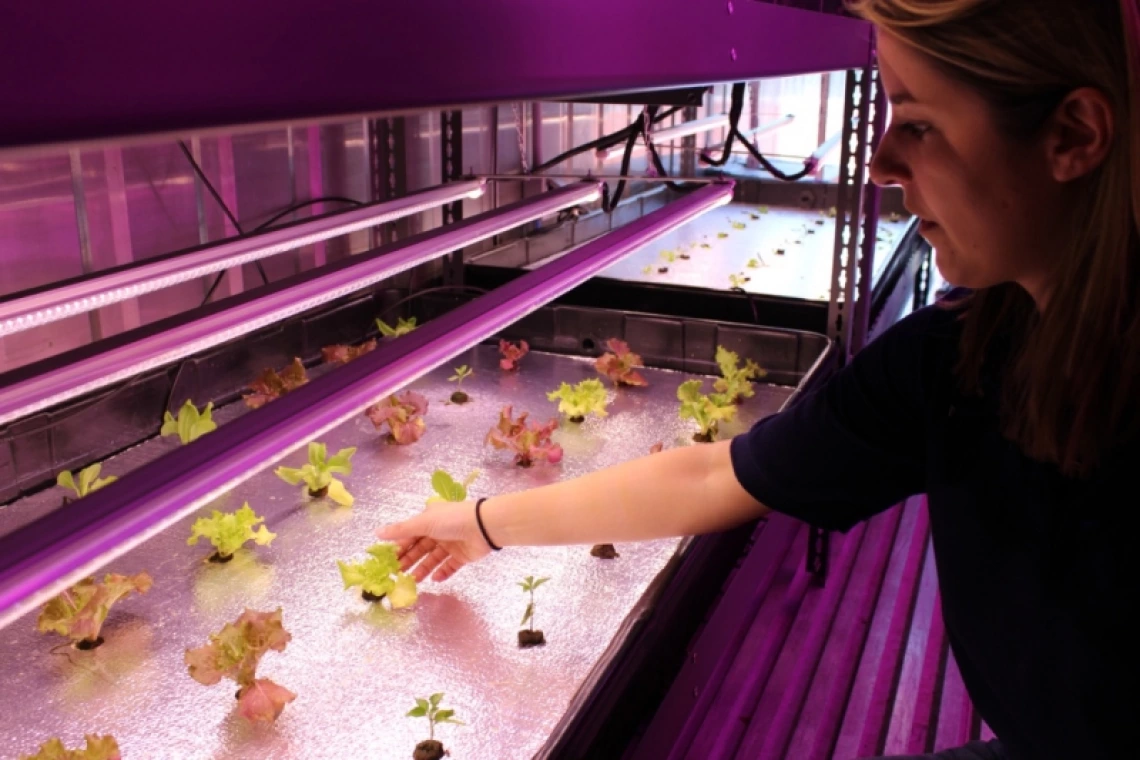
[(989, 204)]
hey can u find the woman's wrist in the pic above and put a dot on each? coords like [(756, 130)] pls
[(480, 505)]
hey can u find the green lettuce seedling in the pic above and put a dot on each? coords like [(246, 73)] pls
[(379, 576), (88, 482), (227, 532), (736, 281), (79, 612), (756, 263), (191, 424), (587, 397), (669, 256), (461, 374), (403, 327), (430, 749), (706, 411), (736, 383), (318, 473), (234, 652), (448, 488), (529, 637), (98, 748), (722, 235), (738, 225)]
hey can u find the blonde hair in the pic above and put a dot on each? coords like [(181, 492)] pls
[(1071, 392)]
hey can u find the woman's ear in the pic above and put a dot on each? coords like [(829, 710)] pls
[(1079, 134)]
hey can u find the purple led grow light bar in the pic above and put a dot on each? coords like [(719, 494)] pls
[(42, 558), (23, 312), (50, 388)]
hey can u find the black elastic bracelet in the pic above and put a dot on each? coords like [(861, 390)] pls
[(482, 529)]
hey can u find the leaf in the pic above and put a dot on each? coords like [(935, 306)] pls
[(87, 476), (235, 651), (417, 712), (98, 748), (79, 612), (290, 475), (423, 703), (446, 487), (341, 462), (379, 574), (318, 452), (65, 480), (339, 494), (539, 582), (528, 614), (227, 532), (263, 701), (587, 397), (435, 699), (444, 716), (403, 593)]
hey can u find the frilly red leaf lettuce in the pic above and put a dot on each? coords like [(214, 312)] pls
[(79, 612), (512, 354), (270, 384), (403, 413), (618, 365), (234, 652), (530, 442), (342, 354)]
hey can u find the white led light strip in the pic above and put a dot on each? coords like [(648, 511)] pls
[(94, 293), (46, 390)]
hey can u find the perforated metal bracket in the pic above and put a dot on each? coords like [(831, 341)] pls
[(451, 135)]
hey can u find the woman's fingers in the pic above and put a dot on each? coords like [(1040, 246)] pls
[(447, 569)]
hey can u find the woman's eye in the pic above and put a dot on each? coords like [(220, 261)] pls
[(914, 129)]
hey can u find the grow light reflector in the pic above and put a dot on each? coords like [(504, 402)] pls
[(49, 388), (24, 312), (44, 557)]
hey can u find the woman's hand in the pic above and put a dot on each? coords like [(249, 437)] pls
[(438, 541)]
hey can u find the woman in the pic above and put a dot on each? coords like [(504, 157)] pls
[(1015, 137)]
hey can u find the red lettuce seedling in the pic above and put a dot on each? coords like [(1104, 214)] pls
[(528, 637), (706, 411), (227, 532), (530, 442), (461, 374), (379, 576), (341, 354), (79, 612), (318, 473), (587, 397), (736, 383), (403, 327), (403, 413), (88, 482), (234, 652), (98, 748), (191, 424), (430, 749), (271, 384), (618, 364), (512, 354)]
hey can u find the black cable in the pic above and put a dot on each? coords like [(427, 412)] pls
[(209, 186), (734, 133), (606, 141), (298, 206)]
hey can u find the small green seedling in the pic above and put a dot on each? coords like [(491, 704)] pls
[(647, 270), (755, 263), (736, 281), (98, 748), (587, 397), (461, 374), (448, 488), (736, 382), (763, 209), (738, 225), (318, 473), (191, 424), (706, 411), (430, 749), (88, 482), (528, 637), (669, 256), (379, 576), (403, 327), (227, 532), (722, 235), (705, 245)]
